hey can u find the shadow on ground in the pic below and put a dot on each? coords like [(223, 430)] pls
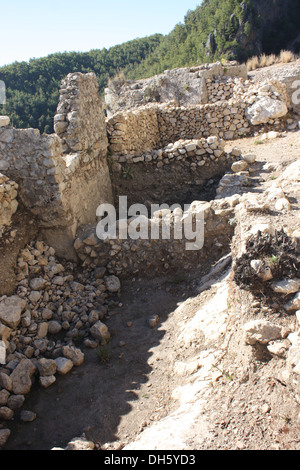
[(113, 399)]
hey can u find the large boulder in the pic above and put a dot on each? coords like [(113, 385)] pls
[(264, 109)]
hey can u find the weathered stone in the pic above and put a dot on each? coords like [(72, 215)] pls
[(190, 147), (279, 348), (22, 377), (42, 330), (47, 314), (15, 401), (58, 280), (34, 296), (99, 272), (293, 358), (100, 331), (4, 436), (250, 158), (47, 381), (93, 317), (79, 444), (286, 286), (4, 121), (60, 127), (74, 354), (54, 327), (27, 416), (236, 152), (112, 283), (55, 269), (239, 166), (11, 309), (38, 283), (4, 165), (64, 365), (212, 140), (5, 332), (2, 352), (6, 413), (294, 304), (46, 367), (261, 331), (6, 381), (264, 109), (7, 136), (4, 394)]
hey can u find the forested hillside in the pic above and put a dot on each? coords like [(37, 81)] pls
[(32, 88), (217, 29)]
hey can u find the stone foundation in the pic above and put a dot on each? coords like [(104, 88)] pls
[(62, 177), (159, 254)]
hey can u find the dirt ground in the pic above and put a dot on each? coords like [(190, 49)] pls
[(120, 390), (123, 389)]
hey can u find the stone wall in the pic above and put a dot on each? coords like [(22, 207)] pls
[(62, 177)]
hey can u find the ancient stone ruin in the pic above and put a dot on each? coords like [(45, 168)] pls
[(168, 146)]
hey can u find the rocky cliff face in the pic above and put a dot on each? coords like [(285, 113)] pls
[(269, 26)]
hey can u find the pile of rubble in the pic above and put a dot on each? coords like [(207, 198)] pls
[(194, 152), (53, 312)]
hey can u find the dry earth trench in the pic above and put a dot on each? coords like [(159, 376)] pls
[(177, 372)]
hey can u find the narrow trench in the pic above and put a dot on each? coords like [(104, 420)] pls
[(116, 393)]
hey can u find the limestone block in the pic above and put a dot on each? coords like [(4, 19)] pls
[(11, 309), (239, 166), (264, 109)]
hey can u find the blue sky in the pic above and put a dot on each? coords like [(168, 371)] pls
[(32, 28)]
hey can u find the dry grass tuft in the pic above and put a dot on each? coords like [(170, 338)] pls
[(287, 56), (264, 60)]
